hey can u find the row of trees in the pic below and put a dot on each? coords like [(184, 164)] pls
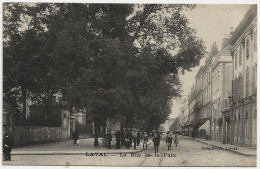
[(107, 58)]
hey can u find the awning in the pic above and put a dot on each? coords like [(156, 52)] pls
[(201, 121)]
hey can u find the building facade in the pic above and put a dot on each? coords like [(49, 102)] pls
[(242, 110), (221, 89)]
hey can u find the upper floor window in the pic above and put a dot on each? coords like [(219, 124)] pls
[(254, 85), (247, 82), (247, 47), (246, 115), (240, 88), (240, 55), (235, 60)]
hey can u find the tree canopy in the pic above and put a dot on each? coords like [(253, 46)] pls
[(107, 58)]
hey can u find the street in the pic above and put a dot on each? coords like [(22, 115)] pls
[(187, 153)]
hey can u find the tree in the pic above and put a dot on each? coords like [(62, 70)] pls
[(28, 68), (113, 58), (18, 54)]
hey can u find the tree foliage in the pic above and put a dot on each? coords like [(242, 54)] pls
[(107, 58)]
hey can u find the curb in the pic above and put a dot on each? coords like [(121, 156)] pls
[(77, 153), (232, 151)]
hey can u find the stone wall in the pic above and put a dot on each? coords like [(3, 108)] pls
[(36, 134)]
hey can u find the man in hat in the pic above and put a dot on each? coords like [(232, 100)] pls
[(169, 141), (138, 137), (134, 134), (109, 139), (128, 139), (122, 137), (118, 139), (7, 146), (156, 142)]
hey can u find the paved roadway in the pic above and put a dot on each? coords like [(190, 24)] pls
[(187, 153)]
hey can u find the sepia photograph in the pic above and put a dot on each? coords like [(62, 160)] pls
[(129, 84)]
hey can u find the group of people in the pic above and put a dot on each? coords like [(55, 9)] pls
[(125, 139), (169, 140), (128, 139)]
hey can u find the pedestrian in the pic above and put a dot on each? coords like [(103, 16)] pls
[(156, 143), (159, 137), (7, 147), (169, 141), (167, 135), (122, 134), (193, 134), (138, 137), (134, 139), (145, 140), (176, 142), (130, 138), (75, 137), (127, 139), (96, 144), (109, 139), (118, 135), (141, 136)]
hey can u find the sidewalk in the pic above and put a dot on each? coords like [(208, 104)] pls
[(67, 147), (240, 150)]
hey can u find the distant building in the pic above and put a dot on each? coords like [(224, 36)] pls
[(184, 113), (221, 89), (212, 86), (167, 124), (199, 118)]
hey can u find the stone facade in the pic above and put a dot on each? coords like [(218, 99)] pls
[(243, 110), (221, 89)]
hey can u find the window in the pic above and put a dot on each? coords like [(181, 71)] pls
[(235, 60), (240, 88), (254, 79), (246, 115), (240, 55), (234, 89), (247, 82), (218, 83), (255, 41), (247, 47)]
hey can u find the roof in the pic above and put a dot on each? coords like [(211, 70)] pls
[(200, 70), (225, 51), (248, 18)]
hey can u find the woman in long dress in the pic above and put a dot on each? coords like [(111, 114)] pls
[(176, 142)]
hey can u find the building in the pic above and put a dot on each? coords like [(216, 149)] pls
[(221, 89), (241, 110), (184, 113), (211, 86), (197, 117)]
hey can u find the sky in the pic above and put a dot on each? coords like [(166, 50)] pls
[(212, 23)]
